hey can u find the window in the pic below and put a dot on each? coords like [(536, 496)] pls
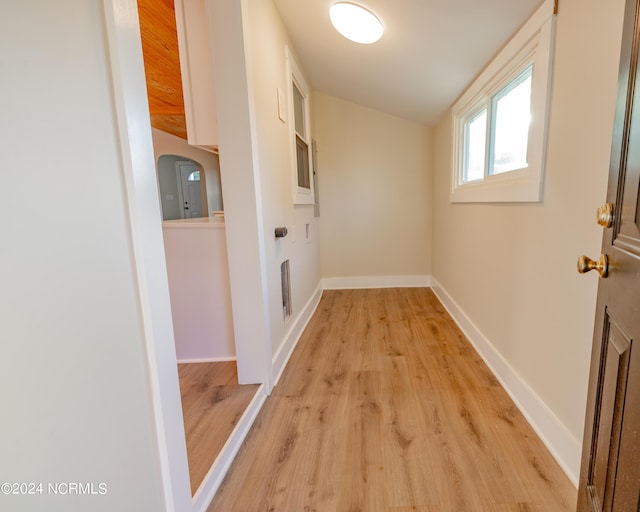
[(499, 123), (302, 163), (509, 127), (475, 136), (194, 176), (300, 133)]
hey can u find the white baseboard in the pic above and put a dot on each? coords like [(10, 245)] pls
[(565, 448), (360, 282), (207, 490), (207, 360), (293, 335)]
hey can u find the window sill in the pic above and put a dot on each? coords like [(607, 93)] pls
[(510, 187)]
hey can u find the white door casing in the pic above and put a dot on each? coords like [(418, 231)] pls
[(139, 173), (245, 247)]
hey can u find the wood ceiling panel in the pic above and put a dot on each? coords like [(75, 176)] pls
[(173, 124), (162, 65)]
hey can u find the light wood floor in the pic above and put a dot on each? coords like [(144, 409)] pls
[(385, 406), (212, 404)]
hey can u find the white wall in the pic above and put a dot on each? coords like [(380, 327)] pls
[(248, 41), (266, 63), (167, 144), (512, 268), (74, 383), (375, 187), (198, 272)]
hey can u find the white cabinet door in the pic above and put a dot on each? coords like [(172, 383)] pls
[(196, 68)]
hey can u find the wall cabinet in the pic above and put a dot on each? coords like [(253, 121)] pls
[(196, 68)]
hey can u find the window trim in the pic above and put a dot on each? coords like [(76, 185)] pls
[(301, 195), (533, 44)]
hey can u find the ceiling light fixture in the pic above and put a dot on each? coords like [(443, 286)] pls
[(356, 23)]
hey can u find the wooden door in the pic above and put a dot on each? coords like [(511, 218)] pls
[(610, 472)]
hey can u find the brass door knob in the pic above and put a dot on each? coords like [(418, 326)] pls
[(587, 264), (605, 215)]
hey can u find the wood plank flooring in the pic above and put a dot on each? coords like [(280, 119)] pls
[(212, 404), (385, 406)]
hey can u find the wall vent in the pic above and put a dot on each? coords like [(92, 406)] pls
[(285, 279)]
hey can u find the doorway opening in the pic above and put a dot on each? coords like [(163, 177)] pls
[(197, 268), (192, 192), (190, 196), (188, 188), (183, 192)]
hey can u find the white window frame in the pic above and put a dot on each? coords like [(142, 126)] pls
[(533, 44), (301, 195)]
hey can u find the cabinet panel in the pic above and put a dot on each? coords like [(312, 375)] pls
[(196, 66)]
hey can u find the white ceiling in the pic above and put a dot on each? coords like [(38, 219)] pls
[(431, 50)]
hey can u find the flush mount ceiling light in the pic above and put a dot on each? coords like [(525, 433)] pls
[(356, 23)]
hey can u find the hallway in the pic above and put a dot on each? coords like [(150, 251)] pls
[(385, 406)]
